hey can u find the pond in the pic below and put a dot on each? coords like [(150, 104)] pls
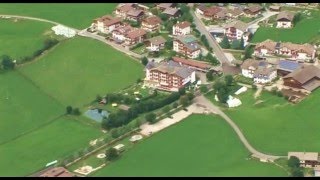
[(94, 114)]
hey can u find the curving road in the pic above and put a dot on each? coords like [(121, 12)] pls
[(204, 101)]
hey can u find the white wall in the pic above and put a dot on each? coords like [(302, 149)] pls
[(281, 24)]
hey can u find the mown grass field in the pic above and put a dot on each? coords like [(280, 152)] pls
[(33, 151), (23, 37), (198, 146), (276, 126), (77, 15), (305, 31), (75, 71)]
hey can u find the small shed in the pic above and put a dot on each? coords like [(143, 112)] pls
[(119, 147)]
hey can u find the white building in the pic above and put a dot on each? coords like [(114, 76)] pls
[(187, 46), (181, 28), (285, 19), (119, 34), (155, 43), (260, 71), (106, 24), (237, 30)]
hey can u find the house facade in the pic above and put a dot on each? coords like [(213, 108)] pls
[(285, 19), (134, 37), (151, 24), (187, 46), (307, 159), (155, 44), (237, 30), (259, 71), (168, 76), (119, 34), (181, 28), (253, 10), (106, 24), (123, 9)]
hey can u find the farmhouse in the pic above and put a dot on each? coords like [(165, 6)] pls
[(237, 30), (155, 43), (306, 77), (201, 9), (284, 19), (135, 15), (181, 28), (187, 45), (210, 12), (253, 10), (172, 12), (106, 24), (135, 36), (234, 13), (56, 172), (151, 23), (123, 9), (164, 6), (119, 34), (196, 65), (286, 66), (169, 76), (307, 159), (260, 71), (275, 8), (298, 52)]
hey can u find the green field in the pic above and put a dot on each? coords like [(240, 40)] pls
[(305, 31), (22, 38), (75, 71), (198, 146), (33, 151), (23, 106), (77, 15), (276, 126)]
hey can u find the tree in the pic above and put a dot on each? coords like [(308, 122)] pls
[(144, 61), (241, 45), (293, 162), (169, 44), (228, 79), (111, 154), (182, 91), (166, 109), (209, 75), (98, 98), (69, 110), (225, 44), (175, 105), (214, 61), (296, 172), (154, 11), (190, 96), (297, 18), (7, 62), (114, 133), (248, 51), (163, 17), (184, 101), (76, 111), (223, 95), (151, 117), (203, 89), (169, 26), (235, 44)]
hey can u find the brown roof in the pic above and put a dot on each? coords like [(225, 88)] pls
[(254, 8), (211, 11), (250, 62), (193, 63), (202, 7), (238, 25), (164, 5), (305, 156), (173, 68), (135, 12), (108, 20), (265, 71), (136, 33), (157, 40), (235, 11), (285, 15), (152, 20), (275, 7), (126, 7), (124, 29), (171, 11), (267, 44), (57, 172), (307, 48), (304, 74), (183, 24)]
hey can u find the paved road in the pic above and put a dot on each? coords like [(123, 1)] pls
[(38, 19), (114, 45), (203, 101)]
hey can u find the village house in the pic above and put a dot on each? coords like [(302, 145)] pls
[(307, 159), (260, 71), (285, 19), (253, 10), (201, 9), (151, 23), (285, 67), (234, 13), (306, 77), (55, 172), (135, 15), (181, 28), (123, 9), (316, 171), (106, 24), (164, 6), (156, 43), (194, 64), (172, 12), (210, 12), (168, 76), (275, 8), (237, 30), (299, 52), (135, 36), (187, 45), (119, 34)]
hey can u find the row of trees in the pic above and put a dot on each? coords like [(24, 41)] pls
[(72, 111), (123, 117), (225, 44), (205, 42), (223, 88)]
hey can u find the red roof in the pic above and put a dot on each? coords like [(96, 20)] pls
[(183, 24), (192, 63), (136, 33), (211, 11)]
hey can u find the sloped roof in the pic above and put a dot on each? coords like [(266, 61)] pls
[(304, 74), (302, 156), (253, 63), (268, 44), (285, 15), (171, 11), (288, 65), (171, 67), (238, 25), (192, 63), (183, 24), (157, 40), (152, 20), (136, 33), (135, 12)]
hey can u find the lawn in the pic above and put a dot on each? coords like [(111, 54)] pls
[(23, 37), (75, 71), (303, 32), (77, 15), (33, 151), (23, 106), (198, 146), (276, 126)]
